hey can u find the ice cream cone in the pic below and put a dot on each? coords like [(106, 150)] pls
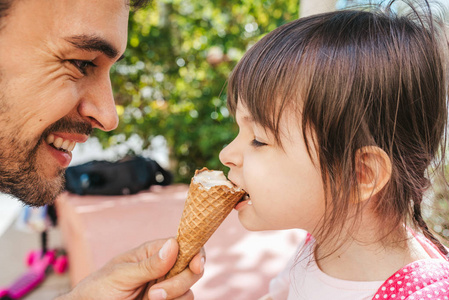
[(205, 209)]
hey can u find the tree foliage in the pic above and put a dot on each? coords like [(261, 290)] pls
[(172, 79)]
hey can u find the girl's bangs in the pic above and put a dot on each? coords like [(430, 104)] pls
[(265, 80)]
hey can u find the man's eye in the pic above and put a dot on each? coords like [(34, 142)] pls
[(255, 143), (82, 65)]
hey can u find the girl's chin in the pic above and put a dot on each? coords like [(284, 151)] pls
[(249, 221), (251, 227)]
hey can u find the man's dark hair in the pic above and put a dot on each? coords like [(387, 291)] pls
[(139, 3), (5, 5)]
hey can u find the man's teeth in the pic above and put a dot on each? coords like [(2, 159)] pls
[(60, 143)]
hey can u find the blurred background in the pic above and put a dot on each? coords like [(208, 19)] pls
[(170, 90), (171, 83), (171, 87)]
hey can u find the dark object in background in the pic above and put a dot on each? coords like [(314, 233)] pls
[(126, 176)]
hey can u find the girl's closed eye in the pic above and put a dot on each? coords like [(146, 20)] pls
[(255, 143), (82, 65)]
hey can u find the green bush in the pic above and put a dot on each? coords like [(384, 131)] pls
[(436, 209), (172, 79)]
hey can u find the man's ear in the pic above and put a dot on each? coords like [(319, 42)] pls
[(373, 169)]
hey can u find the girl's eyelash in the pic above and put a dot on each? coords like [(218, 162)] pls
[(82, 65), (256, 143)]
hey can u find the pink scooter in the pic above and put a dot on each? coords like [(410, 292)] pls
[(39, 267)]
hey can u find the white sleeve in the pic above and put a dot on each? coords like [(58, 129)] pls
[(280, 285)]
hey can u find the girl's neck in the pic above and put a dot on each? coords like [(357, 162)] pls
[(369, 261)]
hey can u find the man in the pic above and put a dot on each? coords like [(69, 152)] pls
[(55, 58)]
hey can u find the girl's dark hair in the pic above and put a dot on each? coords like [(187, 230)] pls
[(355, 79)]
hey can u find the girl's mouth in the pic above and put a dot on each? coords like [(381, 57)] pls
[(246, 200)]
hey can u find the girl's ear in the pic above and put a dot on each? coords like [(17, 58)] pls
[(373, 169)]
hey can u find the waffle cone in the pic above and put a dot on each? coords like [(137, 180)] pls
[(204, 211)]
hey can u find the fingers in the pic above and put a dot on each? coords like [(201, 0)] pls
[(141, 267), (197, 263), (177, 287), (140, 253), (159, 264), (155, 264), (186, 296)]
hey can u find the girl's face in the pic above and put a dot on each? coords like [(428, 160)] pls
[(284, 183)]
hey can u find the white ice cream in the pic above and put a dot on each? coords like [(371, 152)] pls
[(210, 178)]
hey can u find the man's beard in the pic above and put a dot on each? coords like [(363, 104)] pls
[(22, 180), (19, 174)]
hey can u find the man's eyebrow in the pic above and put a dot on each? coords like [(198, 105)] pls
[(93, 43)]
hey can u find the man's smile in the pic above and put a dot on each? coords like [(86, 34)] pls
[(62, 144)]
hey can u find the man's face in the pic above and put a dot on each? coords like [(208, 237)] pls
[(55, 58)]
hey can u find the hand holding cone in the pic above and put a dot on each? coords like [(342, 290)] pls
[(206, 207)]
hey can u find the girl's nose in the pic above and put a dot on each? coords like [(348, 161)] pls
[(230, 156)]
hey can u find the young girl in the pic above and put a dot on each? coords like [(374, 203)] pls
[(341, 116)]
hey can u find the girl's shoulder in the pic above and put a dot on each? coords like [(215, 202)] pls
[(422, 279)]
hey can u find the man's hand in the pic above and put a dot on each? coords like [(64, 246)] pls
[(133, 275)]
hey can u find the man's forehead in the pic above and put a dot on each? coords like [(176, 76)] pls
[(103, 30)]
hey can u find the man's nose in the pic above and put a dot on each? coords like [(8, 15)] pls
[(98, 105)]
